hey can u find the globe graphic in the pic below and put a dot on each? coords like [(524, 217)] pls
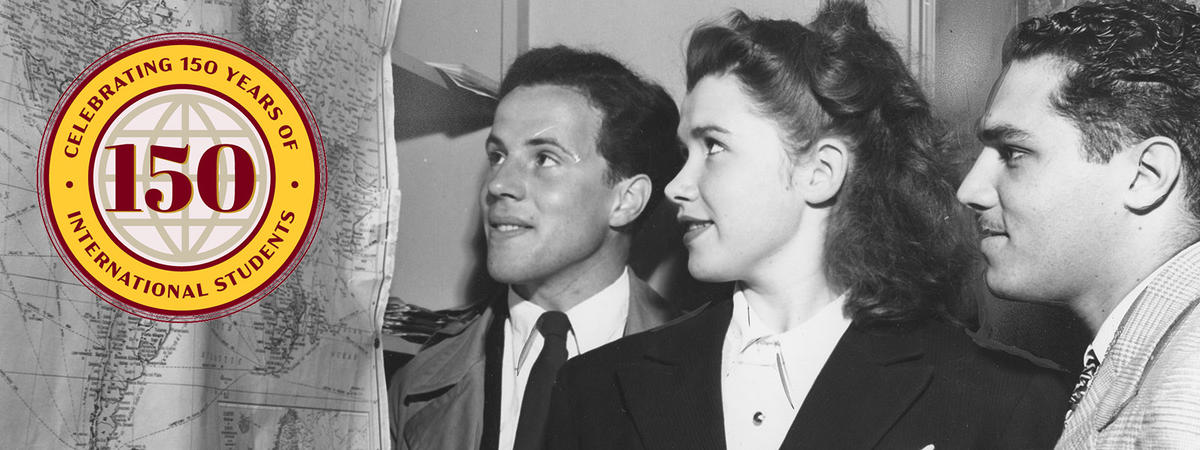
[(196, 234)]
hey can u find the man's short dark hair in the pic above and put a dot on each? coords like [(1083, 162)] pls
[(1133, 72), (637, 133)]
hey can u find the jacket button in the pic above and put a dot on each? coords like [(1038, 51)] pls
[(758, 418)]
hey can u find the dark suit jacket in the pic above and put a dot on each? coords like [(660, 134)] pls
[(444, 399), (883, 387)]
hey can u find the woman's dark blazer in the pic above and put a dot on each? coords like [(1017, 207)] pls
[(907, 387)]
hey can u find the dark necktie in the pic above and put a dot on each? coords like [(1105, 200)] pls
[(535, 405), (1090, 364)]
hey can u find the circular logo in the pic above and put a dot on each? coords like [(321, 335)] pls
[(181, 177)]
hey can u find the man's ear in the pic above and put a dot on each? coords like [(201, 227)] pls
[(825, 169), (1159, 162), (633, 194)]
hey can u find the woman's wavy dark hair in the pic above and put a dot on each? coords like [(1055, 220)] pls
[(896, 240)]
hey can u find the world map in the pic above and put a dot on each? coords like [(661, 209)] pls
[(300, 369)]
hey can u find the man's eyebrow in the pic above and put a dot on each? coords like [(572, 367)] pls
[(553, 142), (543, 140), (999, 133), (493, 140), (700, 131)]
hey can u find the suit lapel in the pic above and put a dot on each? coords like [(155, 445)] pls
[(870, 380), (450, 387), (452, 359), (1173, 290), (674, 393), (493, 377)]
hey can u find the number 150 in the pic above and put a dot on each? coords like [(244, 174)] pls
[(207, 175)]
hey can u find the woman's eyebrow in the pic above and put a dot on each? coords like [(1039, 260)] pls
[(699, 131)]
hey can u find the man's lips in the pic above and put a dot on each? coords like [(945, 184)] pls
[(507, 227), (990, 229), (504, 225)]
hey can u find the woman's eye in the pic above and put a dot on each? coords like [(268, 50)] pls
[(712, 147)]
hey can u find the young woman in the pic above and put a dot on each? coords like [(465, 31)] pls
[(815, 178)]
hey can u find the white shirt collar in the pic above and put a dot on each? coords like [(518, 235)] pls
[(808, 344), (766, 376), (829, 320), (1108, 329), (596, 321)]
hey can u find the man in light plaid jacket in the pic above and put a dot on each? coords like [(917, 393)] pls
[(1088, 194)]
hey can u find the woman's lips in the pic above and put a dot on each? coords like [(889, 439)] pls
[(693, 228)]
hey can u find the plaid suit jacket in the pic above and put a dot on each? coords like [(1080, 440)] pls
[(1146, 394)]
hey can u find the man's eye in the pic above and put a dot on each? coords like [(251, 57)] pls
[(495, 157), (712, 147), (546, 159), (1010, 155)]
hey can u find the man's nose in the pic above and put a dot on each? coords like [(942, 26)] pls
[(505, 180), (978, 189)]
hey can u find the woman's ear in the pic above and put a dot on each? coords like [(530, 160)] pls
[(825, 169)]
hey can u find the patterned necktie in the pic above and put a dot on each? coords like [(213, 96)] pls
[(535, 405), (1090, 364)]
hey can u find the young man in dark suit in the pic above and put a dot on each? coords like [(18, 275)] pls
[(579, 151)]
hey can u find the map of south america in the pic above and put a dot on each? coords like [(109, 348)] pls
[(299, 369)]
